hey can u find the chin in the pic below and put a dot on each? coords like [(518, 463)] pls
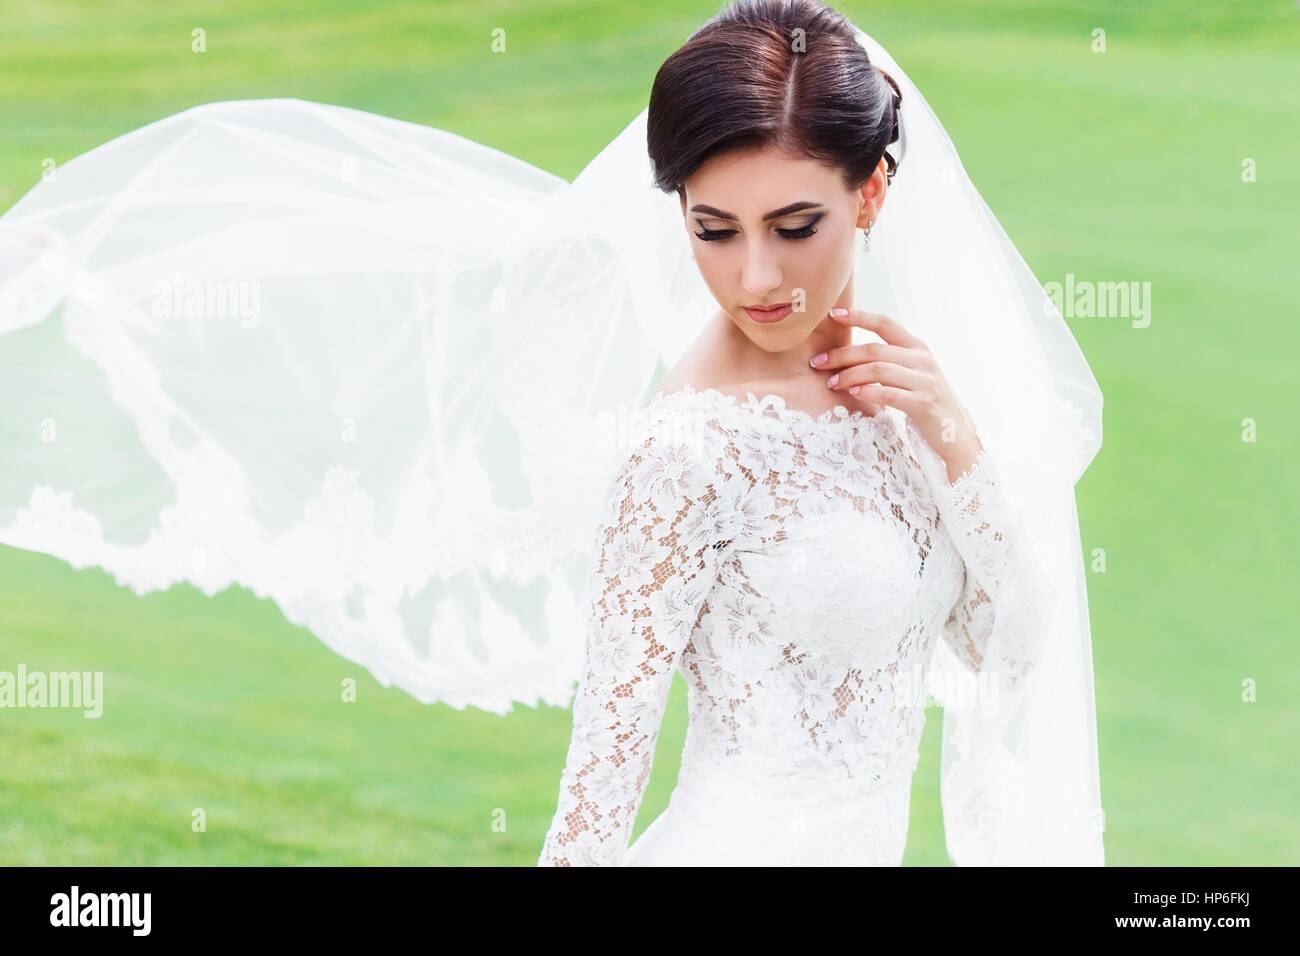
[(776, 340)]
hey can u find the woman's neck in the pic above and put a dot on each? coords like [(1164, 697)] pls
[(748, 362)]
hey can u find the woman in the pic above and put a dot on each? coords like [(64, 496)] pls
[(772, 534), (356, 365)]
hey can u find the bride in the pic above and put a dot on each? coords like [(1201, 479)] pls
[(366, 368), (803, 518)]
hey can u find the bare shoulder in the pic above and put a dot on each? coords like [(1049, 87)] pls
[(699, 366)]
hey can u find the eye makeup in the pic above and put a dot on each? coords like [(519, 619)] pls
[(803, 232)]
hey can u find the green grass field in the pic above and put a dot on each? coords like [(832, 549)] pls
[(1116, 166)]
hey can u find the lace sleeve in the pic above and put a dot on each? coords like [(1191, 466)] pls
[(998, 618), (662, 535)]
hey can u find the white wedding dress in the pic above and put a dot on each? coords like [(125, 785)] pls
[(798, 571)]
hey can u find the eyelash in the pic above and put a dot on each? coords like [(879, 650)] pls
[(803, 232)]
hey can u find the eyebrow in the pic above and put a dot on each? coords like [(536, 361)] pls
[(774, 214)]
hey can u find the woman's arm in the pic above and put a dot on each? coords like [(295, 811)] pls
[(656, 557), (996, 624)]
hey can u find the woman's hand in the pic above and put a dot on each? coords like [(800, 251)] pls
[(901, 372)]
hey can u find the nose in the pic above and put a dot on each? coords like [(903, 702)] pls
[(761, 272)]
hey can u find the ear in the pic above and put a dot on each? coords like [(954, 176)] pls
[(872, 195)]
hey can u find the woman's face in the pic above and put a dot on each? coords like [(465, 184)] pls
[(768, 229)]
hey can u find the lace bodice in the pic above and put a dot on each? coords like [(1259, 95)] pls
[(798, 571)]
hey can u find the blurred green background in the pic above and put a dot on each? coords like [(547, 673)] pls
[(1117, 166)]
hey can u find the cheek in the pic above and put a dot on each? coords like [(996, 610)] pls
[(708, 262), (718, 261), (719, 278), (821, 269), (822, 263)]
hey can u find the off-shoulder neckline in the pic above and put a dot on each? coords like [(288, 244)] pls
[(839, 415)]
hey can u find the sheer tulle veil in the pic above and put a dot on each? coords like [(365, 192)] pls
[(379, 373)]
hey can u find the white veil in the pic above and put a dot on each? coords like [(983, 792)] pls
[(376, 372)]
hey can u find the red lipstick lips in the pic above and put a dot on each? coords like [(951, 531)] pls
[(772, 314)]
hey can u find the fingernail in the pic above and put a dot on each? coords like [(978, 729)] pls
[(817, 359), (854, 389), (839, 311), (830, 382)]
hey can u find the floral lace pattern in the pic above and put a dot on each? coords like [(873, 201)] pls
[(797, 569)]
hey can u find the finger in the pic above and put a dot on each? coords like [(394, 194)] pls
[(871, 352), (882, 325), (883, 373)]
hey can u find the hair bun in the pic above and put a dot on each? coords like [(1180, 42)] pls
[(896, 101)]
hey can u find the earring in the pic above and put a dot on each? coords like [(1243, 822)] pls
[(866, 238)]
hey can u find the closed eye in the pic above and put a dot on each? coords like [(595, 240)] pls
[(803, 232)]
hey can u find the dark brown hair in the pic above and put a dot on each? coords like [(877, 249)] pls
[(787, 73)]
